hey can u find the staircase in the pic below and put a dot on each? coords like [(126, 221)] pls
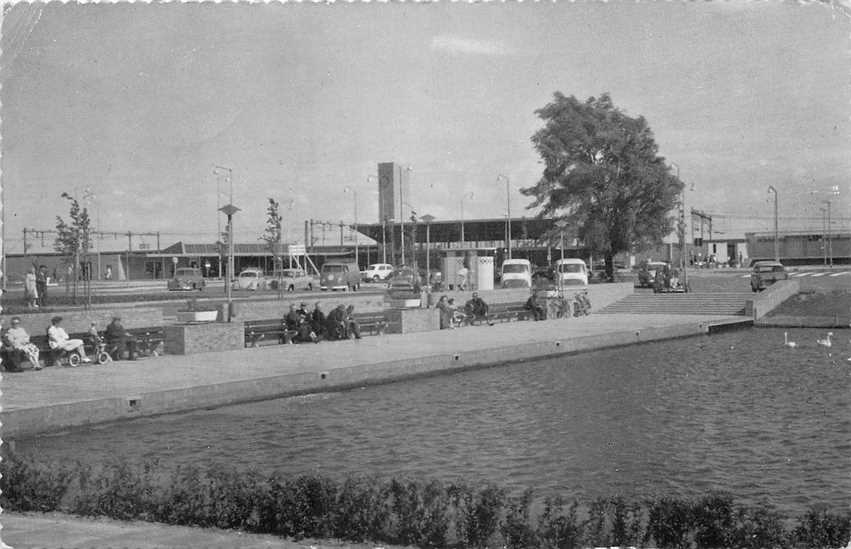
[(694, 303)]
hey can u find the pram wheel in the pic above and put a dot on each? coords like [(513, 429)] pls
[(102, 357), (74, 359)]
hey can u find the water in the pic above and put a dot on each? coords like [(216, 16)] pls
[(737, 412)]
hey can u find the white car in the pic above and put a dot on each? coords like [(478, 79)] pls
[(250, 279), (377, 272)]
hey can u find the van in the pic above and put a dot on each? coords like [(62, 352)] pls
[(339, 275), (766, 273), (516, 273), (572, 272)]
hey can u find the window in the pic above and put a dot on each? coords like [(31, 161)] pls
[(571, 268), (515, 268)]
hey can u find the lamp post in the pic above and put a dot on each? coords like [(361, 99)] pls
[(216, 170), (470, 196), (829, 243), (824, 235), (355, 194), (561, 224), (508, 213), (427, 219), (229, 210), (682, 229), (771, 189), (401, 209)]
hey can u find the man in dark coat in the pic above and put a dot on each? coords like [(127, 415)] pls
[(118, 340), (477, 309), (337, 328), (318, 321)]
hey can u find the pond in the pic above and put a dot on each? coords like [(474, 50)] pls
[(737, 411)]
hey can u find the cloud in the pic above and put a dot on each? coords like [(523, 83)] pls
[(459, 45)]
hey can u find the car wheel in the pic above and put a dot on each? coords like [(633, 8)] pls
[(376, 278), (291, 288)]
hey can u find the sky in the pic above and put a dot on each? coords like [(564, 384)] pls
[(133, 105)]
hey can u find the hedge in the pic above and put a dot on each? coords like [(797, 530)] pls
[(406, 511)]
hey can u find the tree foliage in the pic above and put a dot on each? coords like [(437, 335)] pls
[(603, 176), (73, 238), (272, 234)]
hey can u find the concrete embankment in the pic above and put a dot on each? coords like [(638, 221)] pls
[(58, 398)]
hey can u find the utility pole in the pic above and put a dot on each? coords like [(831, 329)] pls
[(829, 236), (771, 189), (129, 249), (507, 213)]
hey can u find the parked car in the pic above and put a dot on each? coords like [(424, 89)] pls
[(291, 280), (187, 278), (647, 273), (339, 275), (377, 272), (572, 272), (766, 273), (516, 273), (250, 279), (404, 286)]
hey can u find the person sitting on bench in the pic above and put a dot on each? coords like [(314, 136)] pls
[(58, 339), (337, 327), (477, 309), (318, 321), (533, 305), (118, 340), (18, 339)]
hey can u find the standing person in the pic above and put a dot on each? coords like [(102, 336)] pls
[(41, 285), (318, 321), (445, 313), (31, 288), (352, 327), (58, 339), (18, 338), (462, 277)]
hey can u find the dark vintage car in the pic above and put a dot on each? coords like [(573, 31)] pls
[(187, 278), (404, 287), (766, 273)]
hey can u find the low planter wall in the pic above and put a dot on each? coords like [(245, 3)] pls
[(185, 339), (769, 299), (405, 321)]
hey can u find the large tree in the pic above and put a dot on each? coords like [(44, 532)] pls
[(602, 175)]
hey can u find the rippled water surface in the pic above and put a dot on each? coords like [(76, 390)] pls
[(735, 411)]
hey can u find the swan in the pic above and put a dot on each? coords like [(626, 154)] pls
[(826, 341), (786, 341)]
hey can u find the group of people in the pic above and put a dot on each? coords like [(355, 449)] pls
[(17, 348), (314, 326), (35, 287), (451, 316)]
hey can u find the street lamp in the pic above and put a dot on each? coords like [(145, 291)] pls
[(561, 224), (427, 219), (771, 189), (216, 170), (355, 193), (508, 213), (229, 210), (682, 229), (829, 243), (470, 196), (409, 169)]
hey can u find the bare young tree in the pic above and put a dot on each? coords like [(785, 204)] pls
[(74, 239)]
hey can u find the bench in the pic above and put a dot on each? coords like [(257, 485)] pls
[(508, 312), (267, 330), (149, 342), (274, 330)]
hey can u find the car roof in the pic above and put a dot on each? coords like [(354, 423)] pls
[(768, 264), (570, 260)]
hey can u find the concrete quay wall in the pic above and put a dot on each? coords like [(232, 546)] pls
[(288, 370)]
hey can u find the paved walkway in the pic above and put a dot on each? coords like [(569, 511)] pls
[(173, 383), (55, 530)]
